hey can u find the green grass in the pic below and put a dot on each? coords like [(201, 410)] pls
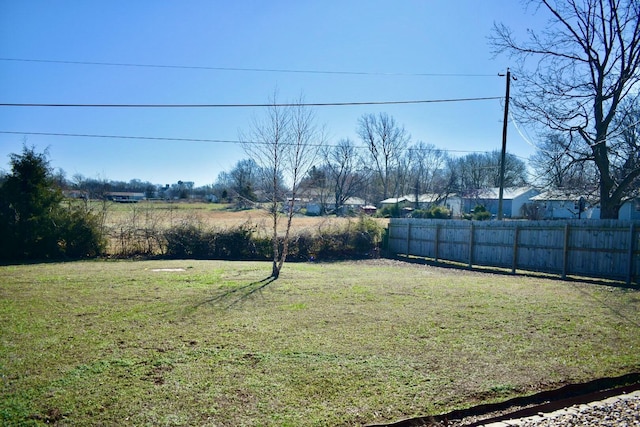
[(117, 343)]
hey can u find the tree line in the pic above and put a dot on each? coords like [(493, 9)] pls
[(384, 163), (577, 88), (96, 188)]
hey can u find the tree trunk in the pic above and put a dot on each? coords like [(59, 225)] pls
[(609, 212), (275, 271), (609, 207)]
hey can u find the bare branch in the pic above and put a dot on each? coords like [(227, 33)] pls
[(585, 64)]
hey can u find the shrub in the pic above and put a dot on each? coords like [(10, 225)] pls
[(235, 243), (368, 235), (80, 234), (392, 211), (191, 240), (187, 241), (440, 212), (356, 239), (301, 247), (348, 242), (479, 213), (434, 212)]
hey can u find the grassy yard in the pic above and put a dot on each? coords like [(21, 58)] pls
[(350, 343)]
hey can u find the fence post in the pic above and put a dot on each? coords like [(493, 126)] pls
[(408, 238), (515, 249), (437, 242), (565, 253), (632, 236), (471, 245)]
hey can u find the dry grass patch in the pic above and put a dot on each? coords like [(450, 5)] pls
[(137, 228), (209, 214), (112, 343)]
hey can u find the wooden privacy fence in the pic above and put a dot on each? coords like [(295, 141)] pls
[(607, 249)]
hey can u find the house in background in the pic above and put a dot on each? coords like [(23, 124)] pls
[(513, 200), (368, 209), (125, 197), (565, 204), (317, 207), (630, 210), (425, 201), (401, 202), (353, 205)]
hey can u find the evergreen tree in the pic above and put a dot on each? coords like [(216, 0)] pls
[(33, 222)]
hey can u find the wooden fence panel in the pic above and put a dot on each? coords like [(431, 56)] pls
[(594, 250), (541, 249), (600, 249), (454, 243), (493, 244)]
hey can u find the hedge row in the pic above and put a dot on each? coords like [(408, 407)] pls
[(358, 239)]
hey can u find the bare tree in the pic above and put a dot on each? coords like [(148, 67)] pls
[(555, 167), (386, 142), (425, 168), (515, 174), (480, 170), (586, 63), (241, 182), (472, 172), (347, 175), (625, 146), (315, 185), (285, 144)]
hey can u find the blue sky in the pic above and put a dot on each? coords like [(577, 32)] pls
[(390, 42)]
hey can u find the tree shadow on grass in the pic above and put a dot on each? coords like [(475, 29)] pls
[(617, 310), (231, 297)]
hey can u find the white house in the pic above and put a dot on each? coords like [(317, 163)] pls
[(563, 204), (630, 209), (392, 201), (352, 204), (513, 200)]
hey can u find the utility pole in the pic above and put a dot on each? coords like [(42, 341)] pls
[(503, 155)]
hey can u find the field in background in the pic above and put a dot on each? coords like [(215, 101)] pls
[(127, 222), (349, 343), (168, 214), (209, 214)]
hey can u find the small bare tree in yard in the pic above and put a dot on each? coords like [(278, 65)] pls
[(285, 143), (586, 67)]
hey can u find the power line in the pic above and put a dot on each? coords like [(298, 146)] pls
[(304, 104), (219, 141), (590, 144), (261, 70), (151, 138)]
